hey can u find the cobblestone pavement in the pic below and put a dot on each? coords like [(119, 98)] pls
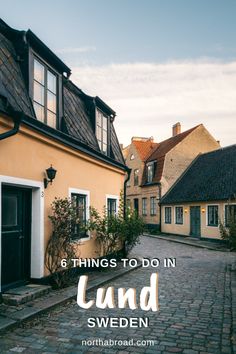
[(194, 315)]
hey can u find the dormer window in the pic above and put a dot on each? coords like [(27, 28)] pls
[(45, 94), (101, 130), (150, 172)]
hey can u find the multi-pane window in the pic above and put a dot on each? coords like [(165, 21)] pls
[(153, 206), (150, 172), (230, 214), (45, 94), (179, 215), (136, 173), (144, 206), (111, 206), (167, 215), (80, 201), (101, 130), (212, 215)]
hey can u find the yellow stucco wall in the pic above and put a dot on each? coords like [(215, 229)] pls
[(28, 154), (184, 229)]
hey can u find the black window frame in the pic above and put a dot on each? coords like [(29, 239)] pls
[(110, 210), (168, 216), (177, 220), (47, 68), (76, 233), (229, 206), (136, 176), (153, 206), (209, 208)]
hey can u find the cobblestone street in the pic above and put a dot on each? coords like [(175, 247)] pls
[(194, 316)]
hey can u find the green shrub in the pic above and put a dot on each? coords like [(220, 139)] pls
[(63, 219)]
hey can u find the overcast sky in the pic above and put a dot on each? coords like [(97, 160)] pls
[(155, 62)]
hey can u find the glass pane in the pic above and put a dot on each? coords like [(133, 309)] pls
[(51, 119), (38, 72), (100, 144), (9, 210), (38, 93), (99, 118), (39, 111), (104, 148), (104, 123), (52, 82), (51, 102), (105, 136), (99, 133)]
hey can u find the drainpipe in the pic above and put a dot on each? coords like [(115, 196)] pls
[(17, 118), (125, 187), (159, 187)]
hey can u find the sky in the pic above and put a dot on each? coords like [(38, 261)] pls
[(155, 62)]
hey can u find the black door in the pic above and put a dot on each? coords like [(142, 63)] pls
[(16, 226), (136, 206), (195, 221)]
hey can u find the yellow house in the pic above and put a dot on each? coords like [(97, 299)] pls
[(156, 167), (203, 197), (50, 131)]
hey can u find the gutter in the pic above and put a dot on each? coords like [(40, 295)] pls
[(128, 170), (159, 187), (17, 118)]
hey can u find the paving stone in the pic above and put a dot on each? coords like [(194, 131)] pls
[(195, 309)]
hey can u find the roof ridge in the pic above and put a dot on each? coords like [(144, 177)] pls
[(217, 150), (174, 137)]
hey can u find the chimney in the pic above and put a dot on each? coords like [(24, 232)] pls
[(176, 129)]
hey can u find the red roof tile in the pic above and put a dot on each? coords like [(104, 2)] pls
[(161, 150), (144, 148)]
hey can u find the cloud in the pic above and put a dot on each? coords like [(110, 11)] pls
[(72, 50), (150, 97)]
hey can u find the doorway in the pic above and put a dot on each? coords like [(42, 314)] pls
[(195, 221), (16, 236)]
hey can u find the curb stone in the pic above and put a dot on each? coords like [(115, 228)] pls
[(15, 319), (188, 243)]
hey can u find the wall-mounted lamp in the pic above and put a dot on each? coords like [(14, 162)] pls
[(51, 174), (203, 210), (185, 210)]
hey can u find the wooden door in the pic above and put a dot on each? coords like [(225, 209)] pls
[(16, 226), (195, 221)]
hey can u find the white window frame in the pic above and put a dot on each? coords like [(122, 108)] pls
[(103, 142), (224, 205), (178, 206), (168, 223), (110, 196), (211, 204), (145, 199), (87, 194)]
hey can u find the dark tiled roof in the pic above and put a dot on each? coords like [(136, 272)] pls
[(77, 121), (12, 85), (212, 176), (161, 150)]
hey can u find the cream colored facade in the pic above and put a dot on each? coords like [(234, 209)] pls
[(134, 162), (206, 231), (24, 159)]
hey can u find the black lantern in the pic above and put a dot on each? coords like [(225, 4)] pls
[(51, 174)]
